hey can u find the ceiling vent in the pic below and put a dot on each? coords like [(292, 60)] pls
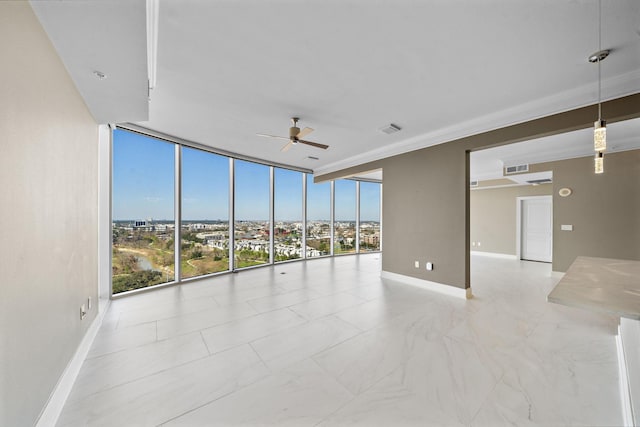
[(539, 181), (473, 184), (390, 128), (516, 169)]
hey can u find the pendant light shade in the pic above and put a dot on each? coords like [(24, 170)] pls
[(599, 162), (600, 135)]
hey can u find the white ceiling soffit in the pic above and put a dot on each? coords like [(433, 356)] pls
[(489, 163), (106, 36), (523, 178), (370, 176)]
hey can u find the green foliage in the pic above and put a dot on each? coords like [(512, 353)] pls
[(283, 257), (369, 246), (196, 253), (136, 280), (191, 236), (166, 259), (123, 263)]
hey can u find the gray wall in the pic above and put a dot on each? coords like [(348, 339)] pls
[(493, 216), (413, 215), (426, 192), (48, 219)]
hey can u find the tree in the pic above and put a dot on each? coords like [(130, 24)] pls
[(136, 280)]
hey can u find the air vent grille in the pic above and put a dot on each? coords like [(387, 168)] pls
[(390, 128), (539, 181), (516, 169)]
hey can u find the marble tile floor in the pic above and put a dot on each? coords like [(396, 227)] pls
[(329, 343)]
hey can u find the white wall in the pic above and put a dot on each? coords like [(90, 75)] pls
[(630, 334), (48, 216)]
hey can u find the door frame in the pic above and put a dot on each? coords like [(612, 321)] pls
[(519, 201)]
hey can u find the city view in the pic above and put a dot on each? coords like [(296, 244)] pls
[(143, 189), (143, 251)]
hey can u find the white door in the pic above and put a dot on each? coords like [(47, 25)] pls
[(537, 228)]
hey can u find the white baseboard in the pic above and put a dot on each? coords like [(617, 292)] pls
[(494, 255), (53, 408), (625, 393), (428, 285)]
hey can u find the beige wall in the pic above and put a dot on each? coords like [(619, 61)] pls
[(603, 209), (493, 216), (416, 202), (48, 219), (426, 192)]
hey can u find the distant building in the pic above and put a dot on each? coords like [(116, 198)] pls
[(143, 225), (371, 239)]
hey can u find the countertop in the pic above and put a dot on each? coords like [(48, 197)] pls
[(601, 284)]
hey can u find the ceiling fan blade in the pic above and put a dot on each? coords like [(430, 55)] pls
[(271, 136), (287, 146), (304, 132), (314, 144)]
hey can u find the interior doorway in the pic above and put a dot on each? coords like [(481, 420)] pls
[(535, 228)]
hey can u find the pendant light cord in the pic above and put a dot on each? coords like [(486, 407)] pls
[(599, 60)]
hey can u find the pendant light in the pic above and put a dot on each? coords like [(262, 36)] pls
[(600, 126), (599, 162)]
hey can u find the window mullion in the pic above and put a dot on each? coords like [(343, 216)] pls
[(177, 233)]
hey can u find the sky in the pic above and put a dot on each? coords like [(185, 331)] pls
[(143, 187)]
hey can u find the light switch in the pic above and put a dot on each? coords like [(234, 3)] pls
[(566, 227), (429, 266)]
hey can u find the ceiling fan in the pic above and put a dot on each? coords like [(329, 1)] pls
[(294, 136)]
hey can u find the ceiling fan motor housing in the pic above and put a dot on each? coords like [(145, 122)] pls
[(293, 132)]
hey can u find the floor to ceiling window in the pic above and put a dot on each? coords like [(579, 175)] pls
[(344, 238), (369, 232), (278, 214), (287, 227), (252, 219), (142, 211), (318, 218), (205, 213)]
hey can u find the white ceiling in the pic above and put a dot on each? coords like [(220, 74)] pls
[(489, 163), (107, 37), (439, 69)]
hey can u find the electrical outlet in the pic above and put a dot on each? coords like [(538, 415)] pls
[(83, 312), (473, 243), (429, 266), (479, 244), (89, 303), (417, 264)]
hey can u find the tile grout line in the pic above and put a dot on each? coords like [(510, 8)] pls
[(98, 356), (216, 399), (139, 378), (173, 316), (205, 343), (260, 357)]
